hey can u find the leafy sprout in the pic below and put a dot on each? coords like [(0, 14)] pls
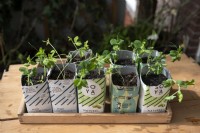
[(181, 84), (86, 66), (156, 64), (140, 48), (27, 71), (78, 45), (116, 44), (176, 54)]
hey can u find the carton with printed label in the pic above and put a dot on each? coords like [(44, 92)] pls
[(152, 98), (37, 96), (124, 98), (62, 89), (91, 99)]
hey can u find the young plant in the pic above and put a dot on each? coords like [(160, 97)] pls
[(86, 66), (140, 48), (80, 47), (50, 60), (156, 64), (46, 61), (176, 54), (116, 43), (28, 72), (180, 84)]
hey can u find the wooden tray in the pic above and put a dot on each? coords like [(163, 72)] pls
[(109, 118)]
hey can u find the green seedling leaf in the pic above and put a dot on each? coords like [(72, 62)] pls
[(76, 39), (113, 41), (176, 54), (180, 96), (24, 70), (86, 46), (137, 44), (79, 83), (168, 83), (185, 83), (169, 98), (78, 43)]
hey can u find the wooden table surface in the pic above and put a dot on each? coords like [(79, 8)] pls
[(186, 115)]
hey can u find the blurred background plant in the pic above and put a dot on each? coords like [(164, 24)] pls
[(25, 23)]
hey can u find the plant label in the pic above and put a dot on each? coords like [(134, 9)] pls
[(124, 99), (91, 98), (63, 96), (152, 98), (37, 98)]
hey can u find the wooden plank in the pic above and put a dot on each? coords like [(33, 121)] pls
[(10, 94), (16, 127), (186, 119), (93, 118)]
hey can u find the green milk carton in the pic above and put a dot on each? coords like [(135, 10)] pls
[(124, 98)]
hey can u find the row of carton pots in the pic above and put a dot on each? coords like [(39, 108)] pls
[(62, 96)]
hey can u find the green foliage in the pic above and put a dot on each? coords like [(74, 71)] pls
[(180, 83), (176, 54), (156, 64), (95, 63), (140, 48), (47, 61), (116, 43), (26, 71), (77, 43)]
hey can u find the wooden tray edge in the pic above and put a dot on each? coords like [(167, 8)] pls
[(102, 118)]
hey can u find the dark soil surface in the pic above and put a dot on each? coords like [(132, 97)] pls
[(153, 79), (124, 80), (35, 80), (124, 62), (144, 59), (95, 74), (66, 74)]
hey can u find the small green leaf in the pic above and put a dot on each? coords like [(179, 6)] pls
[(80, 83), (137, 44), (180, 96), (76, 39), (78, 43), (185, 83), (168, 83), (169, 98), (113, 41)]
